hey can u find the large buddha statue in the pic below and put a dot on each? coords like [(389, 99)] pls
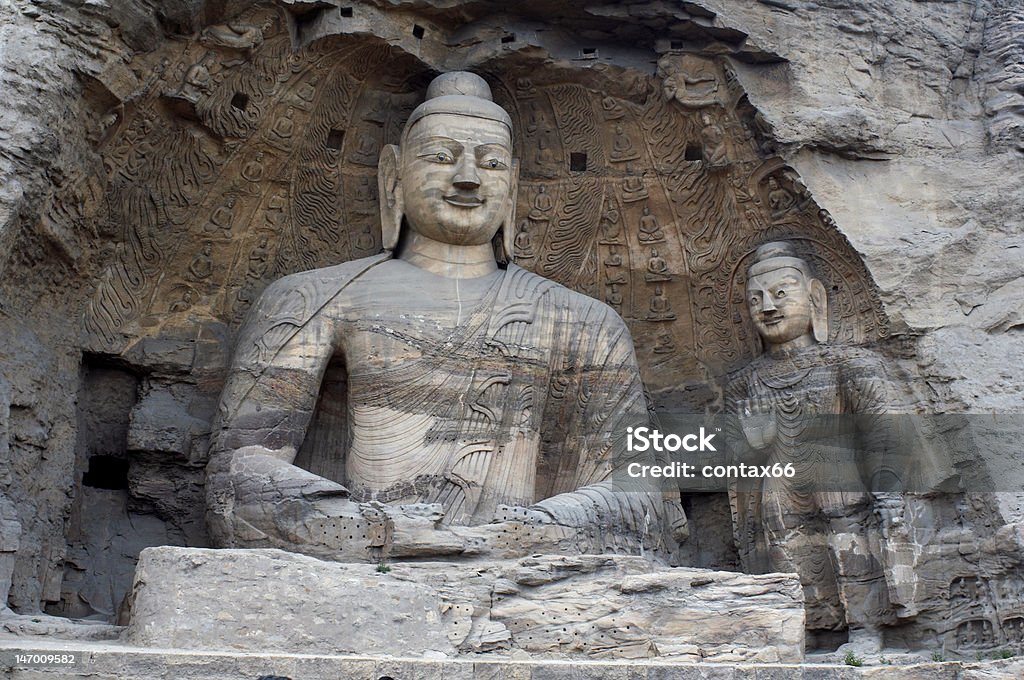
[(487, 406)]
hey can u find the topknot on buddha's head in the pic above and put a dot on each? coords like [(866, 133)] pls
[(775, 255), (460, 93)]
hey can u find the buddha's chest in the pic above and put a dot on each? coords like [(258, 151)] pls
[(382, 329)]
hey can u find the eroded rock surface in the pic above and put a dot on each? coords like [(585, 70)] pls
[(590, 606)]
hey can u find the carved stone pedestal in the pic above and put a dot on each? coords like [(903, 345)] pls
[(590, 606)]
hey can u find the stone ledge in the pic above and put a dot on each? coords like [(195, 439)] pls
[(564, 607), (99, 661)]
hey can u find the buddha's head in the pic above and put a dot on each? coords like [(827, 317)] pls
[(785, 301), (452, 178)]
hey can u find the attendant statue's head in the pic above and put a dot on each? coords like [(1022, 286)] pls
[(788, 305), (452, 180)]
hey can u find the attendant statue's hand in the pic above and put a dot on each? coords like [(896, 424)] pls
[(757, 419), (890, 508)]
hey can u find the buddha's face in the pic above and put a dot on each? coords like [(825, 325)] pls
[(780, 305), (456, 176)]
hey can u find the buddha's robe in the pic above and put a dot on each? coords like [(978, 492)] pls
[(521, 396)]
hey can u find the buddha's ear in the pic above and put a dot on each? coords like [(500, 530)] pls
[(389, 188), (508, 225), (819, 311)]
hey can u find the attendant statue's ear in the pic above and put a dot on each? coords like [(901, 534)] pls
[(819, 311), (389, 188), (508, 225)]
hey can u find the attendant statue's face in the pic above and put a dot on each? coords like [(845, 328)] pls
[(785, 301), (456, 177), (780, 304)]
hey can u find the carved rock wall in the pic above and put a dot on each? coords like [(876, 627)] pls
[(53, 58), (159, 167), (904, 121)]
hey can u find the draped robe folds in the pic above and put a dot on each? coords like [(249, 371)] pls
[(784, 524), (838, 426), (525, 402)]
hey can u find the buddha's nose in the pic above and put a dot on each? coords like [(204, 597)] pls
[(768, 305), (466, 177)]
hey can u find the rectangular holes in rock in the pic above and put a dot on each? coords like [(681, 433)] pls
[(588, 53), (417, 31), (106, 472), (107, 396), (345, 12), (508, 38), (240, 101), (676, 45), (578, 161), (693, 152), (335, 139)]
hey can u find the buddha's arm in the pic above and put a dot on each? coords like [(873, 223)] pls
[(266, 406), (609, 399), (886, 442), (749, 424), (275, 376)]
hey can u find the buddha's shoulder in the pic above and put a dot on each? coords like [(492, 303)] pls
[(528, 285), (325, 279)]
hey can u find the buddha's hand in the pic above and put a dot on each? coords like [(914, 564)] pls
[(757, 419), (676, 519), (518, 513)]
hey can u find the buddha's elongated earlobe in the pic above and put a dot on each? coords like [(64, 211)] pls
[(819, 311), (389, 188), (508, 225)]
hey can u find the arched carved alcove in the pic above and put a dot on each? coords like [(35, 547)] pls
[(647, 180), (254, 155)]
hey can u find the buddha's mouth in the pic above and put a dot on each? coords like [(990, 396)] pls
[(771, 320), (464, 201)]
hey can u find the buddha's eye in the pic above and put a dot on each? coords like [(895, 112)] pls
[(755, 300), (443, 157), (493, 164), (780, 293)]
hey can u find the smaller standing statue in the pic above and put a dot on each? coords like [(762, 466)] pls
[(821, 409)]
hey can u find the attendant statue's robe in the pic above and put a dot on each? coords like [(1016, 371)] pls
[(836, 414)]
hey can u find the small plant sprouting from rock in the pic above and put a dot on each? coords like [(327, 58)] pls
[(382, 567), (937, 656), (853, 660)]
